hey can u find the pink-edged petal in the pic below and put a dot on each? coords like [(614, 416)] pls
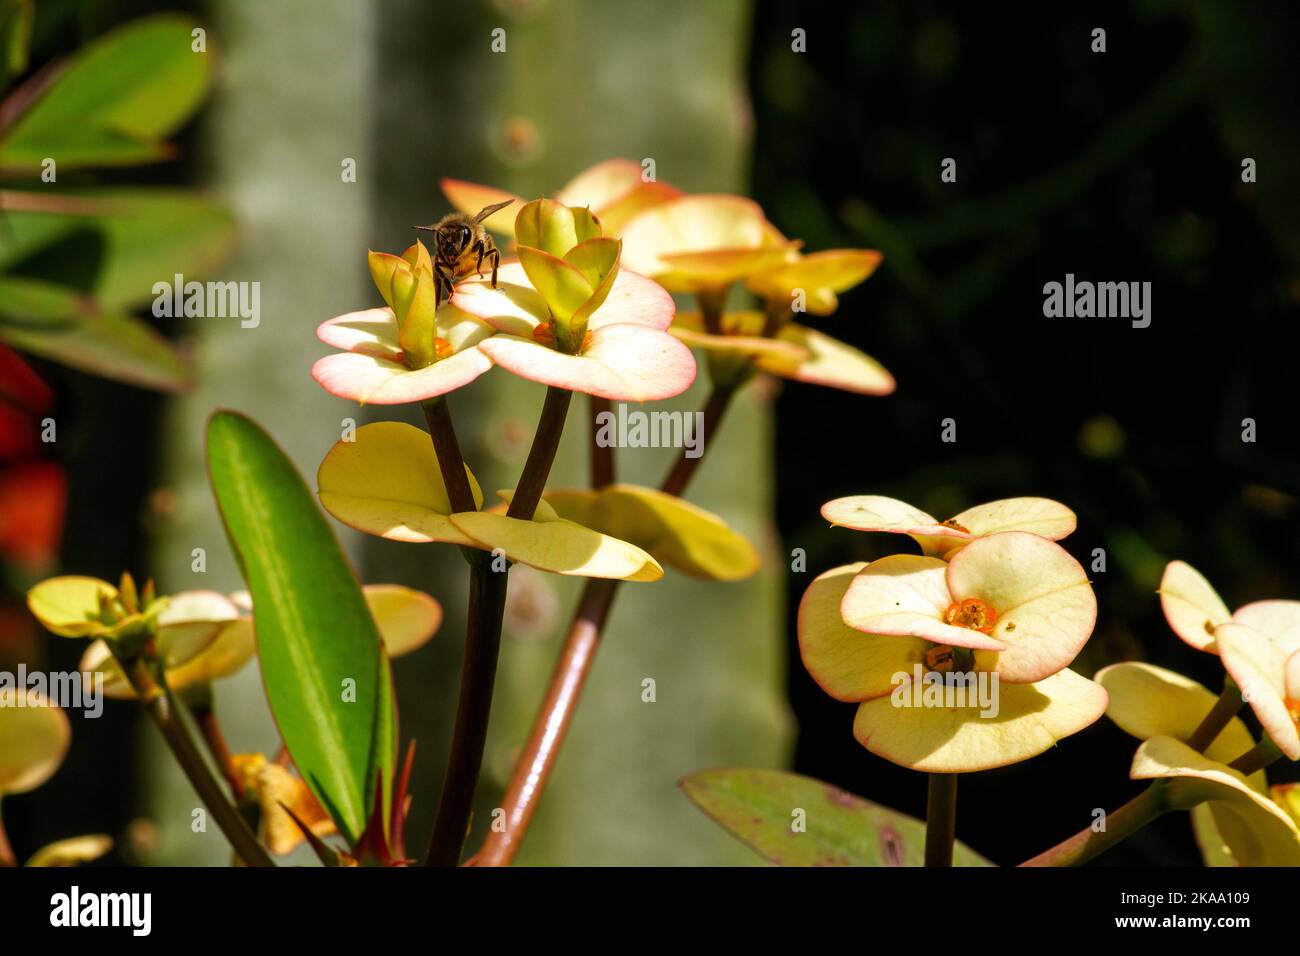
[(1259, 668), (1279, 621), (1192, 607), (879, 513), (368, 332), (469, 198), (1040, 516), (628, 363), (377, 381), (741, 336), (828, 362), (616, 190), (693, 228), (907, 595), (1045, 606), (846, 663)]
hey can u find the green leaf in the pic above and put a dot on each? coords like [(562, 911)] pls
[(63, 326), (314, 629), (759, 808), (116, 101), (141, 237)]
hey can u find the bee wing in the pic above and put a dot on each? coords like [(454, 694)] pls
[(489, 210)]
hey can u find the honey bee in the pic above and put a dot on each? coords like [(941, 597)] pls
[(460, 246)]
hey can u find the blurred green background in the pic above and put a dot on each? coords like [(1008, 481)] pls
[(1116, 166)]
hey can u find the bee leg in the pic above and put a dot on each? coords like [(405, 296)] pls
[(495, 255), (442, 285), (482, 251)]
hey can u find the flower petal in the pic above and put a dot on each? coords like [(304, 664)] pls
[(553, 544), (378, 381), (406, 618), (616, 190), (72, 851), (470, 198), (1279, 621), (368, 332), (628, 363), (878, 513), (1045, 605), (673, 531), (829, 362), (1041, 516), (1259, 668), (387, 483), (34, 738), (1148, 701), (190, 622), (1192, 607), (69, 605), (1031, 718), (819, 274), (846, 663), (1263, 834), (907, 595), (701, 240), (689, 328)]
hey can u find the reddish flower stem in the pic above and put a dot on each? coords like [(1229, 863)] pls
[(487, 598), (536, 762), (1120, 825)]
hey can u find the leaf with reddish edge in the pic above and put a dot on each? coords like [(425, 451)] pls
[(759, 808)]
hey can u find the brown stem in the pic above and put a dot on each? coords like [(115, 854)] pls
[(487, 599), (940, 819), (602, 456), (1120, 825), (683, 469), (1224, 709), (164, 710), (205, 718), (549, 730), (443, 433), (546, 441), (1257, 758)]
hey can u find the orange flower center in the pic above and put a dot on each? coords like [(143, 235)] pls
[(972, 613), (442, 348), (544, 333), (955, 525)]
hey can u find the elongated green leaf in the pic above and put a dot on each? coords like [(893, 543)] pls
[(59, 324), (793, 820), (116, 101), (322, 662)]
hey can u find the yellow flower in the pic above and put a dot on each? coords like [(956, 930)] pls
[(1259, 644), (942, 539), (1005, 616), (1164, 709)]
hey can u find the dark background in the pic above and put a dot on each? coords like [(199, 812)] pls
[(1119, 166), (1115, 166)]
